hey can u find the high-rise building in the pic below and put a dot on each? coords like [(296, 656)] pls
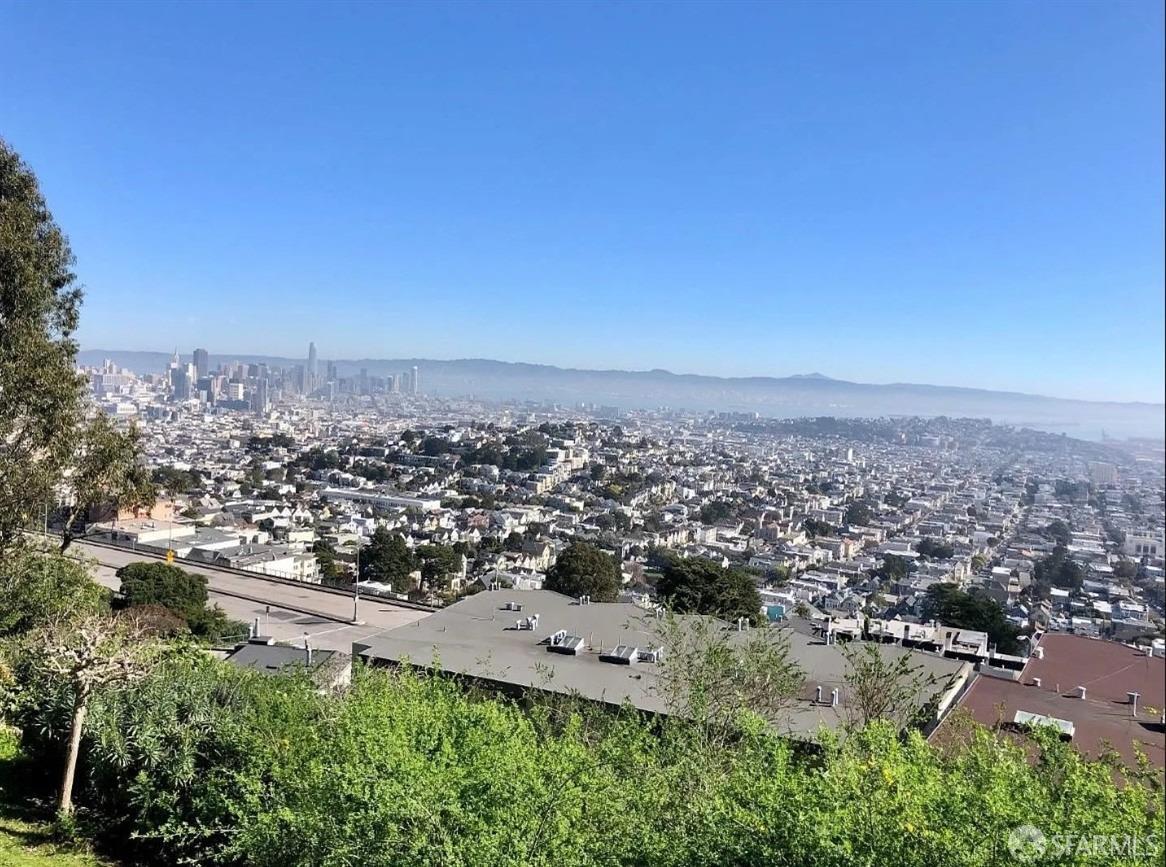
[(180, 382), (202, 363), (260, 399), (312, 373), (415, 382)]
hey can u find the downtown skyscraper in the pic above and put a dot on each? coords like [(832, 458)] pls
[(312, 371)]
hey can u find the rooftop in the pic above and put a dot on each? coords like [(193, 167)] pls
[(481, 637), (1109, 671)]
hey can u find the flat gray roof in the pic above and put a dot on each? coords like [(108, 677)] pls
[(478, 637)]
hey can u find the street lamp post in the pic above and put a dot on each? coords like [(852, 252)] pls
[(356, 585)]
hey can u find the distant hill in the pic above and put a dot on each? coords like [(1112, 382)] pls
[(800, 395)]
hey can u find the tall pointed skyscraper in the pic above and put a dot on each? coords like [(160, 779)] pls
[(312, 373)]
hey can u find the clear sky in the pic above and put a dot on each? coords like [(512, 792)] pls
[(952, 193)]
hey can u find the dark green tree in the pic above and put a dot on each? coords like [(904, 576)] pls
[(893, 568), (716, 512), (387, 559), (858, 514), (699, 586), (1058, 531), (976, 610), (40, 389), (438, 563), (184, 593), (331, 572), (584, 570), (928, 547), (815, 528)]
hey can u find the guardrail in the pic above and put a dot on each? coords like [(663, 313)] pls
[(261, 576)]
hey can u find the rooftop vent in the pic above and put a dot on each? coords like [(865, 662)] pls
[(622, 655), (1025, 719), (571, 645), (652, 654), (512, 606)]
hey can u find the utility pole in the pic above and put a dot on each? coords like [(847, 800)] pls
[(356, 586)]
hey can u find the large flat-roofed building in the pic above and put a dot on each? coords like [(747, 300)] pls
[(145, 532), (609, 652), (1108, 694), (385, 500)]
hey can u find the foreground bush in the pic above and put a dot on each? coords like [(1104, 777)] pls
[(203, 763)]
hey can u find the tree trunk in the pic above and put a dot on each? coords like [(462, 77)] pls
[(80, 709), (67, 530)]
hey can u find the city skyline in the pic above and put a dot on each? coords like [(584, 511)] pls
[(973, 191), (332, 360)]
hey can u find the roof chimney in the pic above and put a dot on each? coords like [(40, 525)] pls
[(1081, 693), (1036, 682), (1132, 698), (834, 697), (818, 695), (308, 649)]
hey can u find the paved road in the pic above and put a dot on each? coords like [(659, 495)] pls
[(328, 623)]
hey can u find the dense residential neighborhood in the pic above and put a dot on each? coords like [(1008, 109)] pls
[(964, 541)]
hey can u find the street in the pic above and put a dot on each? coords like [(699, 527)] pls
[(329, 625)]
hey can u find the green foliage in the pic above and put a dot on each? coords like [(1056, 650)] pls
[(885, 684), (331, 572), (1073, 491), (1059, 532), (388, 559), (896, 500), (176, 481), (264, 444), (718, 677), (614, 520), (583, 570), (698, 586), (40, 389), (146, 584), (815, 528), (106, 469), (517, 457), (928, 547), (858, 514), (973, 610), (1058, 570), (438, 564), (717, 512), (894, 568), (38, 587), (1125, 569), (206, 764)]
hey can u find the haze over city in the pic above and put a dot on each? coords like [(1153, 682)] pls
[(955, 194)]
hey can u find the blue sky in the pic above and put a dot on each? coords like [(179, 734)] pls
[(953, 193)]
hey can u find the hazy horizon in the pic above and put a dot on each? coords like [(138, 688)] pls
[(186, 353)]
